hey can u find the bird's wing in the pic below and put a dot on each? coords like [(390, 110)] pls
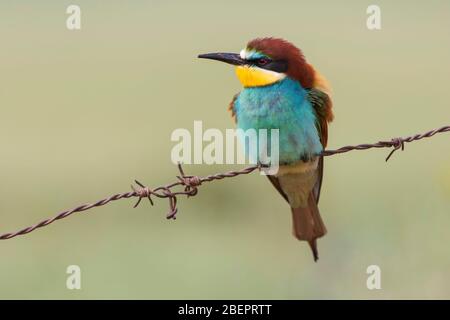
[(322, 105)]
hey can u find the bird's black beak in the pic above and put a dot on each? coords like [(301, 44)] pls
[(230, 58)]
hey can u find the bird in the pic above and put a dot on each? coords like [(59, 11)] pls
[(281, 90)]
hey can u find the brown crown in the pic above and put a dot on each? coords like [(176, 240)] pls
[(280, 49)]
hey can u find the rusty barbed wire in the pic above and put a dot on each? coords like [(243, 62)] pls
[(189, 184), (396, 143)]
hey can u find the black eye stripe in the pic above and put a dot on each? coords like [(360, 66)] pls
[(276, 65), (273, 65)]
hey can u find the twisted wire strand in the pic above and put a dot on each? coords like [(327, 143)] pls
[(190, 184), (396, 143)]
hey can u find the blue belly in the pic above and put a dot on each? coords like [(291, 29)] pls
[(282, 106)]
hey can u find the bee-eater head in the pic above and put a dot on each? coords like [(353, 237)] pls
[(265, 61)]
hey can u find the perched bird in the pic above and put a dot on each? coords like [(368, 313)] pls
[(282, 91)]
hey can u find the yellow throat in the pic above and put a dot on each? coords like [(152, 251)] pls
[(257, 77)]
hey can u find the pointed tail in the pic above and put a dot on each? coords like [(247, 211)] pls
[(308, 224)]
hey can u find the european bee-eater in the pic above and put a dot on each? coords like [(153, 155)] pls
[(282, 91)]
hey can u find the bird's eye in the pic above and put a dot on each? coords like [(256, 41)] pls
[(263, 61)]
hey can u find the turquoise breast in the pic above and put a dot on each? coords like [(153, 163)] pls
[(283, 106)]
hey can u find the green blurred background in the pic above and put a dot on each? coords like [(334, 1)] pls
[(83, 113)]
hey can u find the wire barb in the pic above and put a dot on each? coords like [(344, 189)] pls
[(142, 192), (190, 184), (397, 143)]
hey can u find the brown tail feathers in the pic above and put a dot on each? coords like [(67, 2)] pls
[(308, 225)]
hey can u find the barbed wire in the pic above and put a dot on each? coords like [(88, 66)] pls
[(396, 143), (188, 185)]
